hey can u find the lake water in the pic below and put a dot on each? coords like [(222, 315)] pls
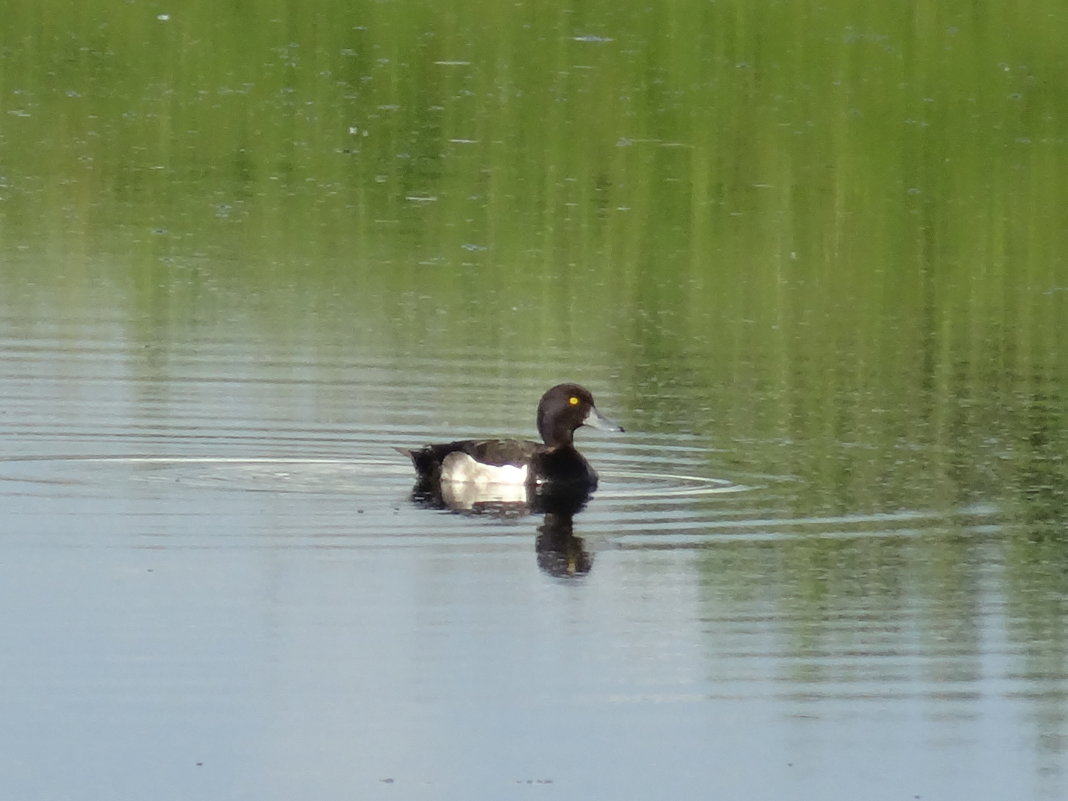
[(811, 259)]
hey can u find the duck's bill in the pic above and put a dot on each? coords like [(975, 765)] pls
[(597, 420)]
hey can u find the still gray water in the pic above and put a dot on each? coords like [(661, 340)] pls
[(812, 258), (217, 586)]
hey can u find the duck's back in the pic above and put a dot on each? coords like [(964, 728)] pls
[(492, 452)]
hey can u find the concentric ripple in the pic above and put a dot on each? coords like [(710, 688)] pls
[(252, 474), (634, 507), (275, 474), (628, 484)]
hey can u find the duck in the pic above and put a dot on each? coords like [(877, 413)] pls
[(552, 463)]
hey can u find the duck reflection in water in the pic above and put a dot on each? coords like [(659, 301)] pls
[(513, 478), (560, 552)]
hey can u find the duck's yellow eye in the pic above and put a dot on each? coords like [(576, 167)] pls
[(573, 401)]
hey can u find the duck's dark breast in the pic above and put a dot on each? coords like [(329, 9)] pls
[(563, 465)]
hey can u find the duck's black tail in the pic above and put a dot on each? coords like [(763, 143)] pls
[(422, 460)]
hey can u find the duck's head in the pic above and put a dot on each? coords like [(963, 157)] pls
[(566, 407)]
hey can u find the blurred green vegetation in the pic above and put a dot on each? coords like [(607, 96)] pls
[(837, 230)]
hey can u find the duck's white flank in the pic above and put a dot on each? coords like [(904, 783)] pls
[(460, 467), (460, 496)]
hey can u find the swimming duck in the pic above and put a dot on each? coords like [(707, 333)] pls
[(554, 462)]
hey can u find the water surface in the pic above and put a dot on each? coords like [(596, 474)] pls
[(811, 259)]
